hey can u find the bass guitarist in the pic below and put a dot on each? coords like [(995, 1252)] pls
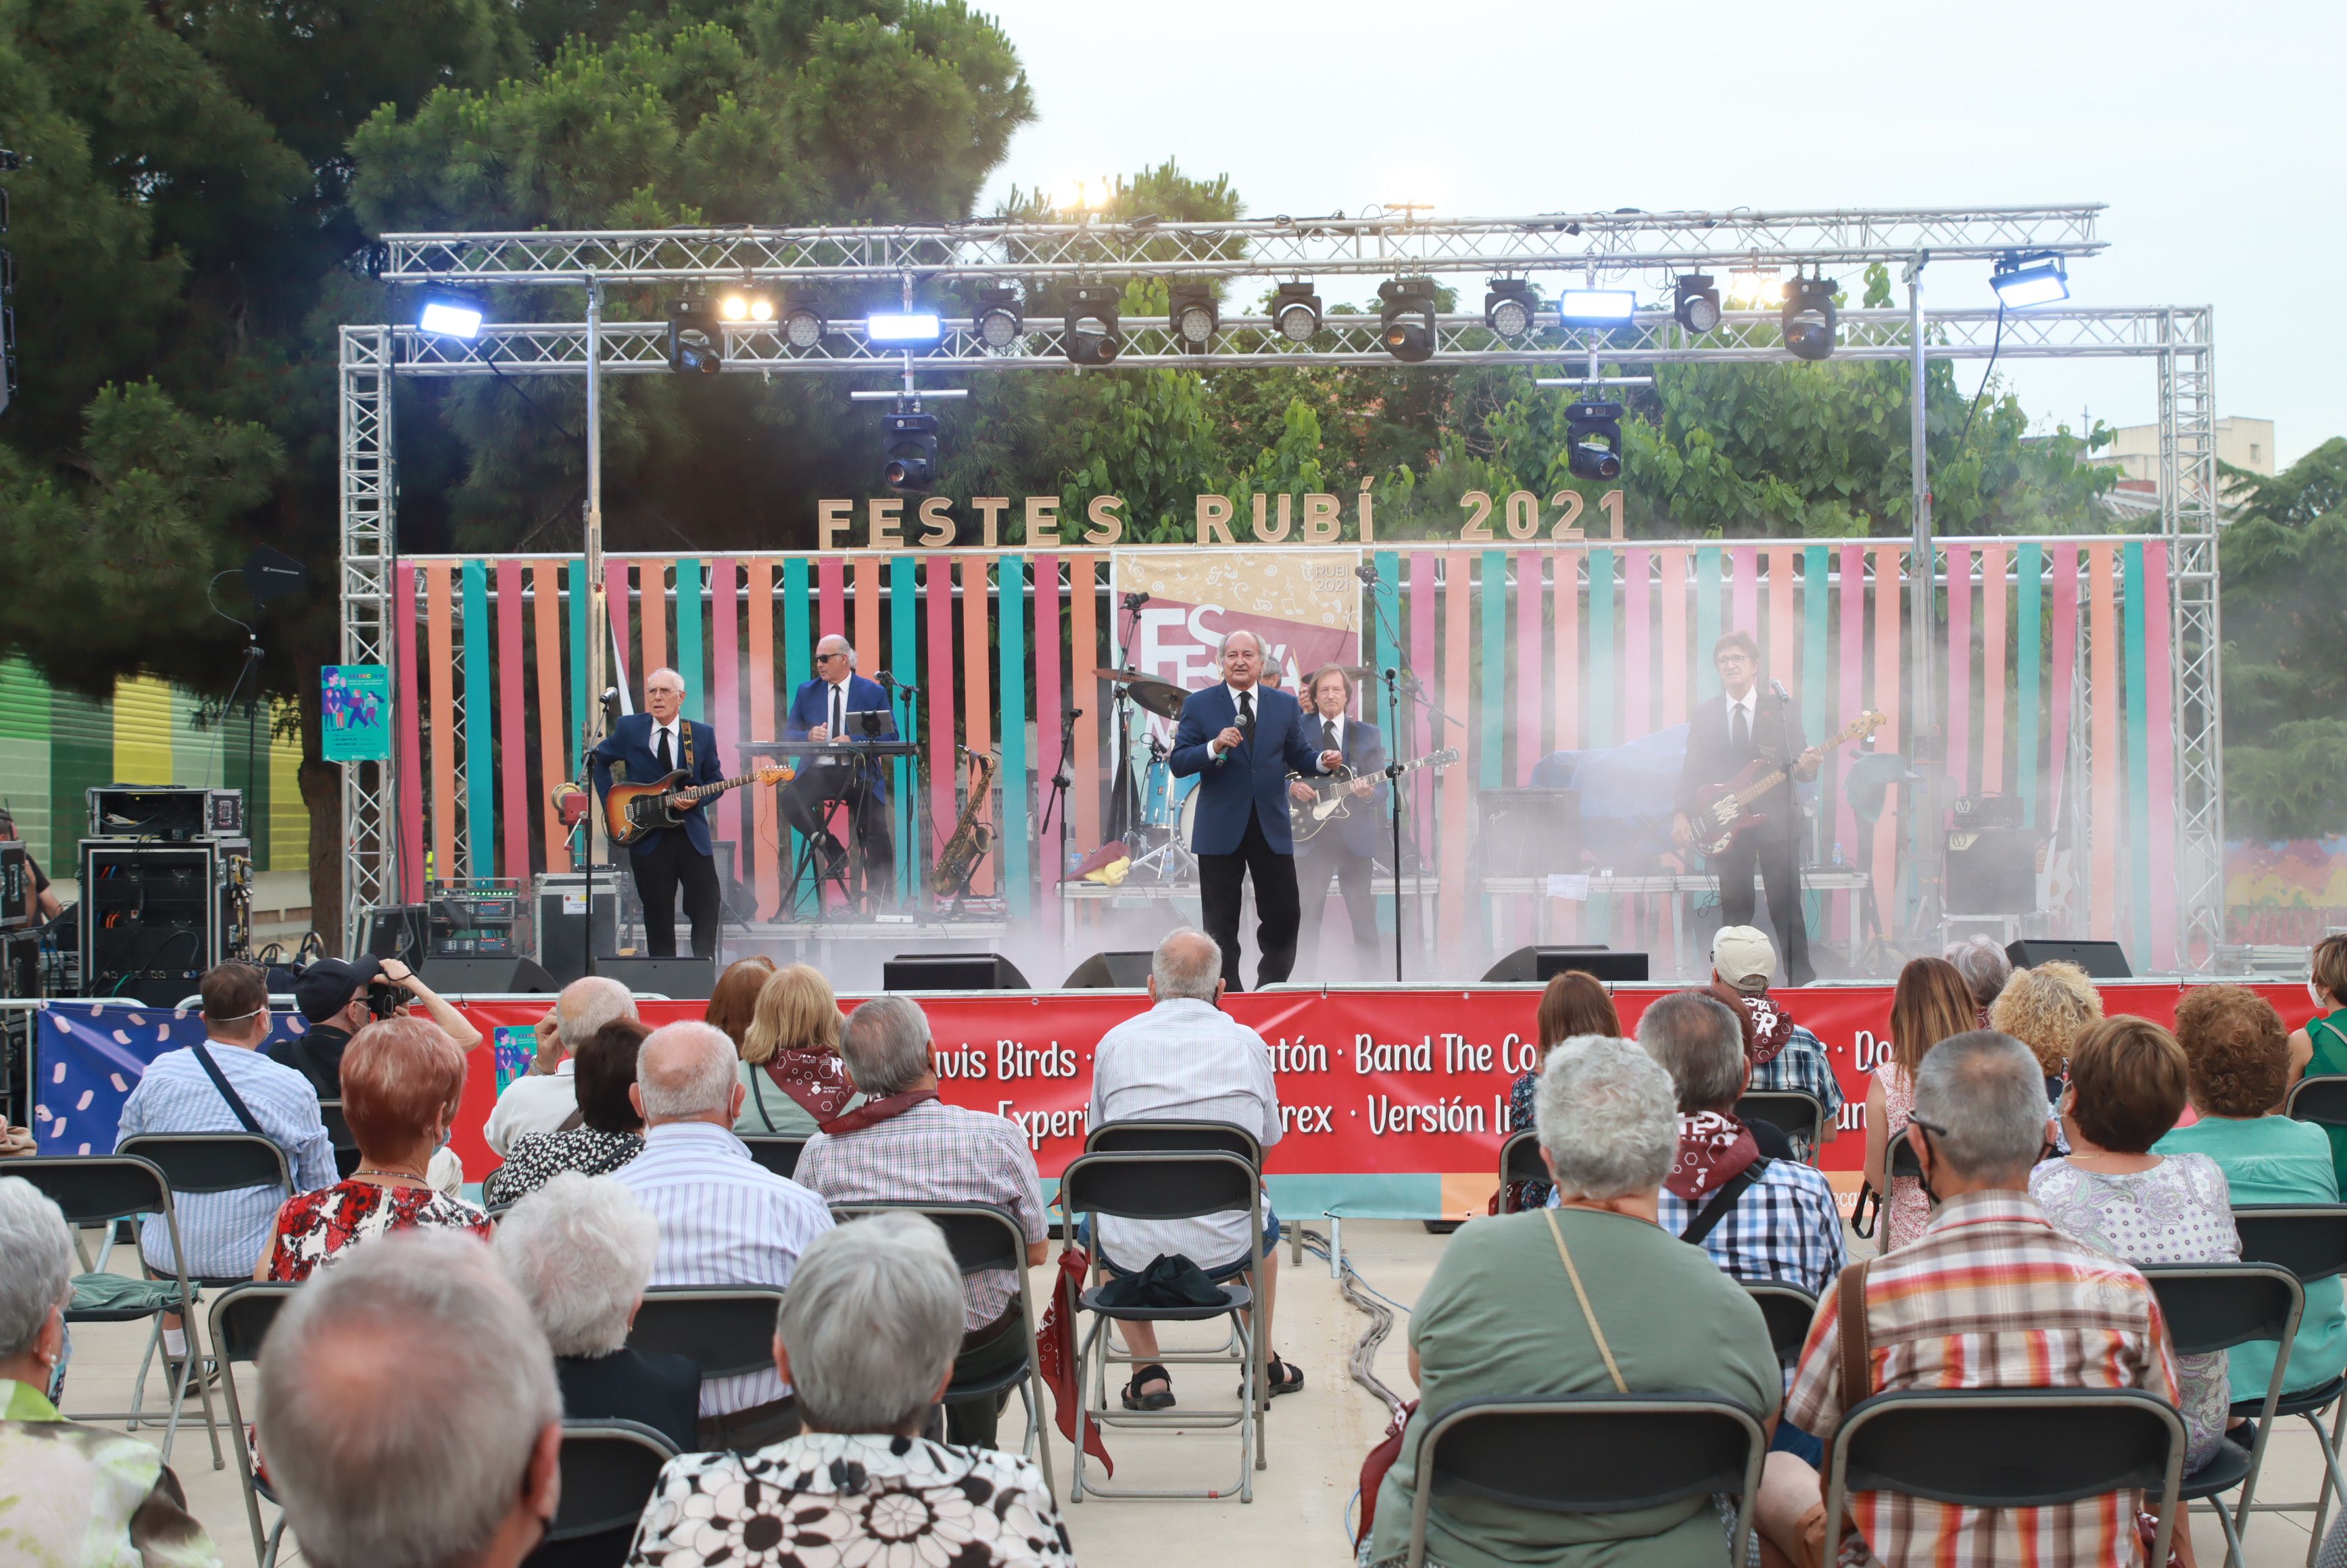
[(1344, 849), (1725, 735), (650, 745)]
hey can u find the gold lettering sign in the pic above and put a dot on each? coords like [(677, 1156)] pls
[(1271, 520)]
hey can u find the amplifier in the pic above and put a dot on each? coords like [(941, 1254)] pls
[(1973, 812), (16, 886), (1993, 870), (173, 812), (1528, 832), (154, 916), (474, 919)]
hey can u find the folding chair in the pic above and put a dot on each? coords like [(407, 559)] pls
[(1168, 1185), (1789, 1310), (1904, 1161), (2322, 1098), (98, 1190), (780, 1155), (728, 1331), (241, 1317), (1184, 1137), (1590, 1453), (1519, 1161), (2311, 1240), (1802, 1117), (2007, 1448), (2213, 1307), (610, 1472), (982, 1239), (338, 1132)]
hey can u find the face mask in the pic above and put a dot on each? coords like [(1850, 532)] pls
[(2314, 994), (56, 1390)]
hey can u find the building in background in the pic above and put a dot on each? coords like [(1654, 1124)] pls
[(2135, 452)]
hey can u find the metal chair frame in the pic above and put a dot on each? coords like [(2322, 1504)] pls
[(608, 1509), (1757, 1102), (1519, 1161), (2319, 1088), (241, 1317), (768, 1148), (1783, 1305), (1144, 1137), (655, 1327), (2334, 1479)]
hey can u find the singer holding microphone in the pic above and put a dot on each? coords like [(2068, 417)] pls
[(1241, 740)]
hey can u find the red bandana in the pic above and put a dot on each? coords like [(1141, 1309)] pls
[(872, 1112), (1772, 1028), (816, 1078), (1714, 1150)]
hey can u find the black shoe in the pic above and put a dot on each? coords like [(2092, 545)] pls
[(1134, 1399)]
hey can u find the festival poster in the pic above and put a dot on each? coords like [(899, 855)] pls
[(1305, 603), (354, 712)]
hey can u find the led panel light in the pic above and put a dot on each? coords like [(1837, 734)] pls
[(448, 316), (1597, 307), (903, 327), (2022, 282)]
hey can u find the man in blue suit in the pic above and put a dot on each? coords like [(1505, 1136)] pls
[(1345, 849), (832, 707), (1241, 740), (650, 746)]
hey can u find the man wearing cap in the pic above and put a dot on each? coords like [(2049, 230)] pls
[(331, 994), (1786, 1058)]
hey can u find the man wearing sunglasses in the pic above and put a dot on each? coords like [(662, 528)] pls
[(839, 706)]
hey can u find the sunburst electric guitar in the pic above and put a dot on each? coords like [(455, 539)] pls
[(1725, 813), (632, 810)]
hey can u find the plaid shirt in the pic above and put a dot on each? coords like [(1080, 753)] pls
[(936, 1153), (1785, 1228), (1801, 1068), (1991, 1296)]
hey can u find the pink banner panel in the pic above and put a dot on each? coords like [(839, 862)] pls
[(411, 733), (1423, 595), (1959, 667), (1458, 668), (1744, 568), (1637, 644), (1784, 621), (2160, 714), (766, 826), (552, 740), (866, 603), (1889, 679), (441, 650), (2107, 701), (1678, 563), (1852, 652), (651, 616), (1530, 698), (1566, 596), (1083, 658), (945, 804), (624, 674), (2063, 690), (725, 702), (831, 596), (1996, 562)]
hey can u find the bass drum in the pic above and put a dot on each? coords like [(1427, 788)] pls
[(1185, 823)]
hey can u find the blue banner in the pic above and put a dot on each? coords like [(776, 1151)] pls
[(87, 1056)]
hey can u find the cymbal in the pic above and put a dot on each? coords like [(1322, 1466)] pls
[(1162, 698)]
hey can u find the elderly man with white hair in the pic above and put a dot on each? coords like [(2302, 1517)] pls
[(723, 1218), (409, 1412), (841, 707), (546, 1098), (868, 1337), (646, 748)]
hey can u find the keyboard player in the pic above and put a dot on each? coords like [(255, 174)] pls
[(839, 705)]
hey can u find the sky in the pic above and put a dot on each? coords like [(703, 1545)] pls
[(2213, 133)]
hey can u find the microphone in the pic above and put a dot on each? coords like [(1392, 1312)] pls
[(1245, 725), (1135, 600), (885, 679), (1367, 573)]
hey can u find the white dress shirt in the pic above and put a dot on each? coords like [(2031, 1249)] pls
[(1750, 703), (536, 1102), (834, 715), (673, 730), (1254, 695)]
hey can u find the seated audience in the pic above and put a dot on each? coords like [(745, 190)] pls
[(402, 1082), (409, 1413), (790, 1063), (2115, 1194), (1185, 1059), (734, 999), (2237, 1054), (867, 1338), (544, 1099), (1984, 969), (1506, 1314), (1990, 1296), (723, 1218), (331, 994), (579, 1249), (1787, 1058), (1929, 1004), (908, 1146), (70, 1494), (2320, 1049), (610, 1133), (1573, 1004), (1774, 1140), (2046, 1007)]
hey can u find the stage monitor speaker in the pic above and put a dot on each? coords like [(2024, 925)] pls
[(562, 934), (1528, 832), (461, 977), (1110, 972), (1540, 965), (2101, 960), (951, 972), (401, 931), (682, 979), (1992, 871)]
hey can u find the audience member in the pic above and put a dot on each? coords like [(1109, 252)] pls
[(1991, 1296), (70, 1494), (1984, 969), (2046, 1007), (331, 994), (2237, 1053), (401, 1081), (734, 999), (868, 1338), (1787, 1058), (1759, 1219), (2117, 1195), (609, 1132), (790, 1063), (1929, 1004), (1591, 1297), (409, 1413), (906, 1145), (2320, 1049), (545, 1098), (579, 1249), (1573, 1004), (1185, 1059), (723, 1218)]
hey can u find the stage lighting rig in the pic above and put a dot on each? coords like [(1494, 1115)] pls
[(1405, 318), (909, 444), (2022, 282), (907, 328), (695, 343), (1000, 324), (1597, 307), (746, 306), (1593, 438), (1807, 317), (446, 314), (1510, 308), (1695, 301), (1196, 318), (802, 324), (1092, 337), (1295, 311)]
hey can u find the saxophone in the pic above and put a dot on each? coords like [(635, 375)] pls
[(972, 838)]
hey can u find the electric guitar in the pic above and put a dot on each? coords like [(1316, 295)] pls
[(1725, 813), (632, 810), (1335, 800)]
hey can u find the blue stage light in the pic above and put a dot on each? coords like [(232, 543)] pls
[(1597, 307), (452, 315), (2022, 282), (903, 327)]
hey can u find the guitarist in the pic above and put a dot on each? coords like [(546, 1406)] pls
[(650, 746), (1725, 735), (1345, 850)]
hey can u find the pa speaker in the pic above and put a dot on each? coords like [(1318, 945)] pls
[(1111, 971), (397, 931), (1992, 871), (681, 980), (951, 972), (462, 977), (1528, 832), (2101, 960), (1540, 965)]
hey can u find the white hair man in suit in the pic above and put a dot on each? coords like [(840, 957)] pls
[(651, 745)]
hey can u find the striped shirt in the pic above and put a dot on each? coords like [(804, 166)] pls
[(223, 1232), (936, 1153), (1991, 1296), (1785, 1228), (723, 1220)]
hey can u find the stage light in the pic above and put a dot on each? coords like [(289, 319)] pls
[(1405, 318), (1807, 317), (1196, 318), (1696, 302), (1295, 311), (1593, 438), (803, 325), (2021, 281), (909, 449), (1511, 309), (1092, 332), (1756, 290), (904, 328), (452, 315), (746, 305), (1000, 323), (1597, 307), (695, 343)]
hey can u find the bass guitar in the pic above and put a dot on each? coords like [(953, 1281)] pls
[(1725, 813), (1333, 797), (632, 810)]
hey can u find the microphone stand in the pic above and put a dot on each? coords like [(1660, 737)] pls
[(1124, 820), (1061, 781), (909, 695), (1401, 683), (1393, 782), (589, 737)]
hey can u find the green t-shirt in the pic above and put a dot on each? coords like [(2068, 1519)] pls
[(2328, 1036), (1499, 1318)]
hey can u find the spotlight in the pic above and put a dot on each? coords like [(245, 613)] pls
[(746, 305), (1000, 323), (909, 449), (2021, 281), (1594, 436), (1196, 318), (1755, 288), (1092, 335), (1509, 308), (803, 325), (1295, 311), (1597, 307), (452, 315), (905, 329), (1696, 302), (695, 343), (1808, 314), (1405, 318)]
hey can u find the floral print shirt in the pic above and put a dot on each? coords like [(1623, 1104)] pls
[(313, 1226), (75, 1496), (537, 1158), (823, 1501)]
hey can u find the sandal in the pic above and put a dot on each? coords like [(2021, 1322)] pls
[(1280, 1377), (1134, 1399)]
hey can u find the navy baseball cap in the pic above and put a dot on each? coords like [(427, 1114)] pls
[(326, 986)]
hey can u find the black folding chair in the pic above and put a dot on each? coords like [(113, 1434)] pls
[(728, 1331), (780, 1155), (206, 1162), (2311, 1240), (2322, 1098), (1802, 1117), (2007, 1448), (1904, 1161), (1589, 1453), (610, 1472), (241, 1317), (1519, 1161), (338, 1132), (2213, 1307), (1174, 1137), (1789, 1310), (1168, 1186)]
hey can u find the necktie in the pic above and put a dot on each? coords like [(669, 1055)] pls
[(1247, 714), (667, 757), (1328, 735), (838, 719), (1740, 733)]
